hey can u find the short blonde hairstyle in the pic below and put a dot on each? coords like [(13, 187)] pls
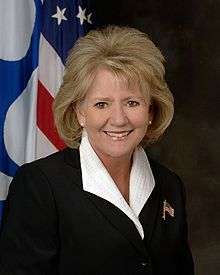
[(129, 54)]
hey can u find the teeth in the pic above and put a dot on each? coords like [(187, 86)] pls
[(116, 136)]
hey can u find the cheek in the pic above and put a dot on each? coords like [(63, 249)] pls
[(93, 120), (140, 120)]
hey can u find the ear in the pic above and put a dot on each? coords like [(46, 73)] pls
[(80, 113), (151, 112)]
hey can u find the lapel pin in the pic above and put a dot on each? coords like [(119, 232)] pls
[(167, 209)]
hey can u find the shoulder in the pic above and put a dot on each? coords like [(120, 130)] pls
[(67, 156), (167, 180), (39, 179), (55, 167), (170, 188), (162, 170), (55, 162)]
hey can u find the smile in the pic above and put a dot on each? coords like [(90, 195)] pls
[(120, 135)]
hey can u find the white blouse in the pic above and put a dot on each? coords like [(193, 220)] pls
[(98, 181)]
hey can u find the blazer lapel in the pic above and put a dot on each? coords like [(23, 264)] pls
[(151, 210), (119, 220), (109, 211), (149, 214)]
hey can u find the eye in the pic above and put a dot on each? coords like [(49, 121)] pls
[(133, 103), (101, 105)]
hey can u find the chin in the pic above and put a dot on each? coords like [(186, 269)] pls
[(114, 149), (117, 153)]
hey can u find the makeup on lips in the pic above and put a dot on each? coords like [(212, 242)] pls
[(118, 135)]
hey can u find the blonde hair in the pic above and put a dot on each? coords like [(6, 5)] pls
[(129, 54)]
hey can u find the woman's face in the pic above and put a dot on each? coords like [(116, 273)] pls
[(115, 117)]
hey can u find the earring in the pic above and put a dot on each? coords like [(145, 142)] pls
[(149, 122)]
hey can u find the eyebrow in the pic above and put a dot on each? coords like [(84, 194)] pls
[(102, 99), (109, 99)]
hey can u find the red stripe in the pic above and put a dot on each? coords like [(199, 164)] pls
[(45, 120)]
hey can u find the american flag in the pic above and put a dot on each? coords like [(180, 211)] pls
[(167, 209), (36, 36)]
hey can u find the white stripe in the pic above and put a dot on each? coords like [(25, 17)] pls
[(51, 68), (20, 124), (44, 146), (16, 26), (5, 181)]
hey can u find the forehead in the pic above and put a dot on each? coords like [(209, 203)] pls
[(106, 83)]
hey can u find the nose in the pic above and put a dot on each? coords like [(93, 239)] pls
[(118, 116)]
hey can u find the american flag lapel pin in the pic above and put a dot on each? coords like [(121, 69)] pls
[(167, 209)]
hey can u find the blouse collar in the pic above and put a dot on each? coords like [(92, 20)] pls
[(98, 181)]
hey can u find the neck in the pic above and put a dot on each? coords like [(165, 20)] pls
[(119, 169), (117, 166)]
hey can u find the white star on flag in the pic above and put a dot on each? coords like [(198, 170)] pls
[(81, 15), (60, 15)]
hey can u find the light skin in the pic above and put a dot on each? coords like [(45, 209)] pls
[(116, 119)]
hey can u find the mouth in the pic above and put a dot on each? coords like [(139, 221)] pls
[(118, 135)]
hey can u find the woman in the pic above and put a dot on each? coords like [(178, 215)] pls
[(101, 206)]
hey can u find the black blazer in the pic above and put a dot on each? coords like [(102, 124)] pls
[(52, 226)]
